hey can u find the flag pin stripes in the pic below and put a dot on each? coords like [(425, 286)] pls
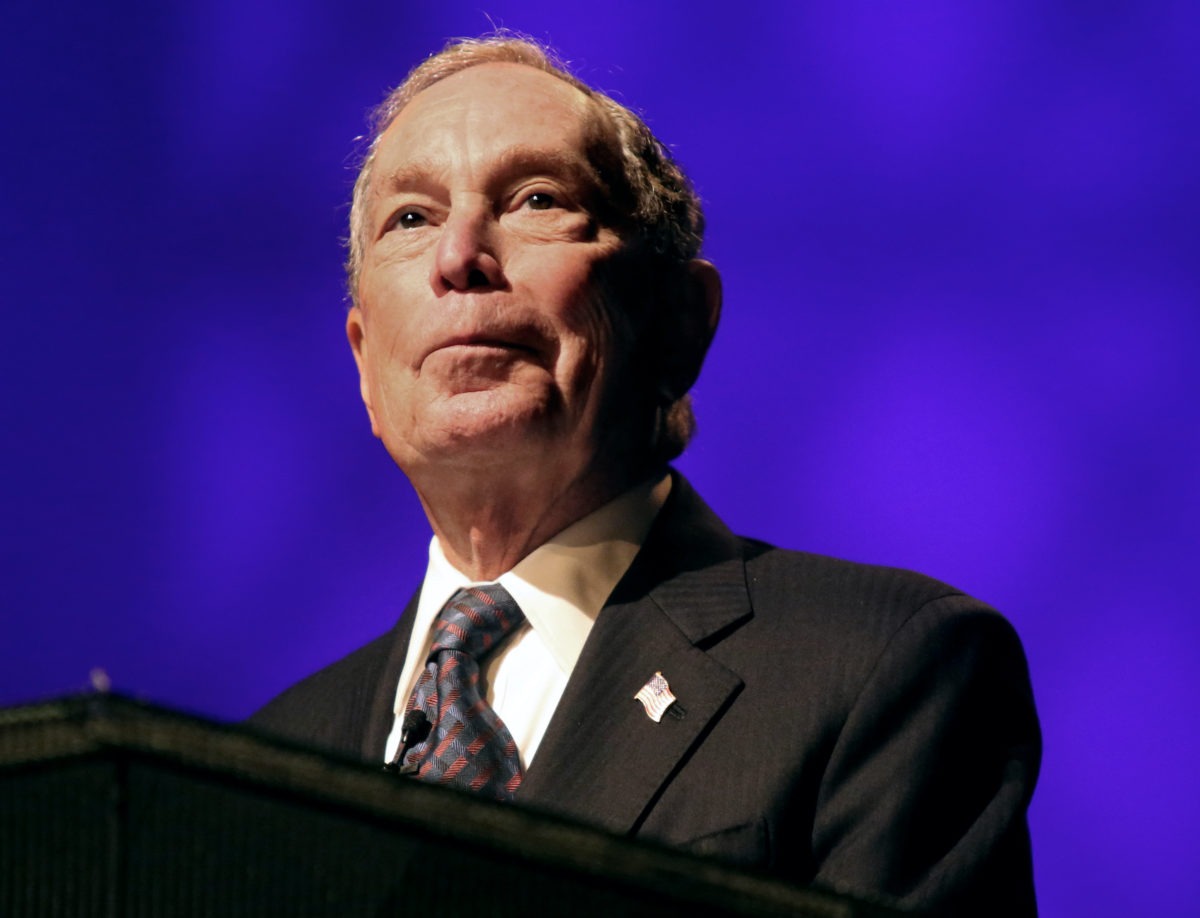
[(655, 697)]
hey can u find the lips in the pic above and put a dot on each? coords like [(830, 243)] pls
[(485, 341), (522, 340)]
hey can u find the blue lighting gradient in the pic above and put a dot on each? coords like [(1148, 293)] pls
[(961, 251)]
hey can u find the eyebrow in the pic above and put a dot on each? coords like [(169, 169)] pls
[(514, 162), (528, 160), (416, 173)]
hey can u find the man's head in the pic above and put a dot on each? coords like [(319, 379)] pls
[(523, 268)]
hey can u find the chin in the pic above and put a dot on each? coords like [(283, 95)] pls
[(480, 427)]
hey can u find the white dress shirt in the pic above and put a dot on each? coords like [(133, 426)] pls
[(561, 587)]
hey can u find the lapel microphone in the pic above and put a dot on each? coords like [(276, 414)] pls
[(413, 730)]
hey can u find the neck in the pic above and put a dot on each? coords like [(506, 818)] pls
[(486, 526)]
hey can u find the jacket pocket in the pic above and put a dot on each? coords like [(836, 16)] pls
[(747, 844)]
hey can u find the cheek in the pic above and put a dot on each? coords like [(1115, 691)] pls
[(596, 347), (393, 275), (390, 327)]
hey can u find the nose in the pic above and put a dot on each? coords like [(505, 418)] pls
[(466, 257)]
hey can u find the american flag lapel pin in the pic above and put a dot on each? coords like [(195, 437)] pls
[(655, 697)]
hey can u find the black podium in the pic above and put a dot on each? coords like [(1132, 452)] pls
[(110, 807)]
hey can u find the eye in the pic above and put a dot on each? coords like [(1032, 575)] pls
[(407, 219), (541, 200)]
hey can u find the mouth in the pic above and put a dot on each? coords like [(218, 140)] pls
[(518, 343), (482, 341)]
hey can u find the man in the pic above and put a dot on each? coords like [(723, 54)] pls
[(529, 314)]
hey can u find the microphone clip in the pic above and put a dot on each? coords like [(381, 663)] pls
[(413, 731)]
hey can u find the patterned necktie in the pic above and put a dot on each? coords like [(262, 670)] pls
[(469, 746)]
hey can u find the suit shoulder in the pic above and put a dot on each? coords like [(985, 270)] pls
[(860, 604), (768, 566)]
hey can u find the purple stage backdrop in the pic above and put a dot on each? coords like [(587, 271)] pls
[(960, 246)]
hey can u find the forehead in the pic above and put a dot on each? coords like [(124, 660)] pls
[(487, 109)]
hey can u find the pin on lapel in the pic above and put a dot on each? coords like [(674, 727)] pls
[(655, 697)]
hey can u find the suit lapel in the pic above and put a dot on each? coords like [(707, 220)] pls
[(382, 709), (603, 760)]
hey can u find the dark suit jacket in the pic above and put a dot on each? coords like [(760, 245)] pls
[(861, 729)]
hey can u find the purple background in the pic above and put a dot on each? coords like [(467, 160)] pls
[(959, 243)]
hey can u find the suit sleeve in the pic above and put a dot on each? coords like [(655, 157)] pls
[(925, 792)]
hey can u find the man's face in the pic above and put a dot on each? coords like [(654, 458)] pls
[(481, 338)]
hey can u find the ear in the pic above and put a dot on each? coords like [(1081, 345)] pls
[(356, 333), (693, 323), (706, 281)]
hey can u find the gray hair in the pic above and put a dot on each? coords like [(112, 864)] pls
[(653, 205)]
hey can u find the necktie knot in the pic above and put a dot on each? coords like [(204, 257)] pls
[(475, 620)]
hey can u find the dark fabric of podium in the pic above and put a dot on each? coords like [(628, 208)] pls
[(57, 835), (113, 837), (862, 729)]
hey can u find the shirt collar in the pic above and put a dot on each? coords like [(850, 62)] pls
[(562, 585)]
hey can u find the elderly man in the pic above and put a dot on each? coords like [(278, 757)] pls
[(529, 314)]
